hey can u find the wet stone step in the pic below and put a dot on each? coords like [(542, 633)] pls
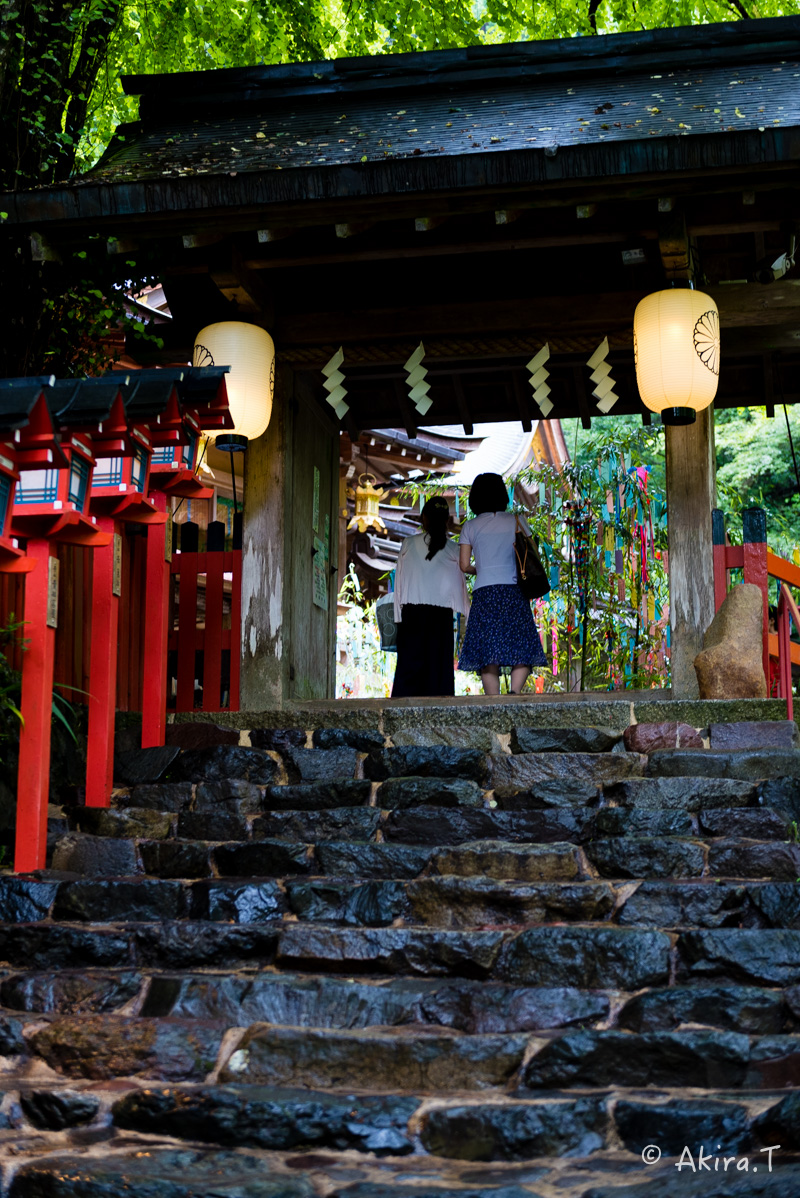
[(70, 993), (754, 859), (687, 794), (566, 794), (372, 904), (176, 796), (95, 856), (317, 796), (749, 1009), (647, 857), (320, 765), (404, 1059), (102, 1047), (457, 902), (128, 822), (389, 950), (335, 738), (751, 764), (436, 792), (450, 826), (232, 795), (223, 762), (769, 957), (254, 1116), (698, 1058), (262, 859), (712, 904), (342, 859), (754, 734), (681, 1121), (338, 823), (564, 740), (246, 902), (110, 900), (627, 822), (760, 823), (516, 1131), (523, 771), (176, 1173), (25, 899), (175, 858), (213, 826), (56, 1110), (521, 862), (436, 762), (593, 957), (300, 1000)]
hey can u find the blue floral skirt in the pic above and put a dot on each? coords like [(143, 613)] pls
[(500, 631)]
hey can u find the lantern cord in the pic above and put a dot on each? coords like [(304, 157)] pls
[(233, 480)]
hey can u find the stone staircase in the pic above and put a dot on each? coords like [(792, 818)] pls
[(493, 950)]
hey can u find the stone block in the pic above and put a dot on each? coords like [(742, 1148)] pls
[(356, 823), (520, 862), (766, 956), (278, 739), (168, 796), (374, 1059), (69, 993), (628, 822), (472, 1007), (745, 764), (320, 765), (597, 957), (175, 858), (647, 857), (777, 902), (24, 900), (317, 796), (646, 738), (515, 1131), (264, 1117), (232, 796), (343, 859), (430, 762), (436, 792), (564, 740), (730, 665), (703, 904), (195, 944), (753, 823), (457, 902), (389, 950), (52, 946), (224, 762), (126, 823), (454, 826), (748, 1009), (336, 738), (526, 771), (371, 904), (563, 794), (95, 856), (237, 902), (55, 1110), (212, 825), (261, 859), (754, 859), (702, 1059), (199, 735), (684, 1121), (754, 734), (116, 900), (455, 736), (143, 765), (102, 1047), (684, 793)]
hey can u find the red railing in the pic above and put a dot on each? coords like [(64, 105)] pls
[(205, 623), (758, 564)]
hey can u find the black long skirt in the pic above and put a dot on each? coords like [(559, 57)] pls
[(424, 652)]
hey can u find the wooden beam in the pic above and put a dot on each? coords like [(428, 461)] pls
[(424, 224), (267, 236), (463, 406), (507, 216), (524, 400), (673, 242), (585, 211), (196, 241), (352, 228)]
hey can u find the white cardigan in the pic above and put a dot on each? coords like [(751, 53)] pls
[(438, 582)]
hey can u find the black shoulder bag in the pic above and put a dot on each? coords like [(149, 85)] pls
[(531, 574)]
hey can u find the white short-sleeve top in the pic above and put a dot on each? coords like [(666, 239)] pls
[(438, 581), (491, 536)]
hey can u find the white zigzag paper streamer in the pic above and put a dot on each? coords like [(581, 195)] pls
[(333, 384), (601, 377), (417, 374), (538, 379)]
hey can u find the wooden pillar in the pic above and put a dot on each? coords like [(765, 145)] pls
[(33, 782), (103, 668), (156, 611), (691, 496)]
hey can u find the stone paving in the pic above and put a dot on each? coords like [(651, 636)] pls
[(493, 959)]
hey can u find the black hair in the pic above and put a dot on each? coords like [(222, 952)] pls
[(437, 514), (488, 494)]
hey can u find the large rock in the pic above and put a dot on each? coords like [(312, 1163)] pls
[(374, 1059), (175, 858), (630, 822), (193, 944), (731, 665), (603, 957), (746, 764), (102, 1047), (222, 762), (488, 1007), (212, 825), (48, 946), (702, 904), (705, 1059), (754, 859), (261, 1117), (515, 1131), (455, 736), (166, 796), (563, 740), (753, 823), (453, 826), (54, 1110), (278, 739), (565, 793)]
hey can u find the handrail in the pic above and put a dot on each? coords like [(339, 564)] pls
[(786, 607)]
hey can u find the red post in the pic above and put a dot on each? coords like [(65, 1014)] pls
[(102, 670), (212, 637), (156, 604), (785, 656), (33, 784), (720, 563), (754, 536)]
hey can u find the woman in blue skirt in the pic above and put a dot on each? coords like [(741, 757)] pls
[(500, 630)]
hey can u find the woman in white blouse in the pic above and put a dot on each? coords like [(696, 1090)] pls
[(429, 587), (501, 630)]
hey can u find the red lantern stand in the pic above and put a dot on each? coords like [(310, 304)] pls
[(153, 398), (50, 502), (118, 497)]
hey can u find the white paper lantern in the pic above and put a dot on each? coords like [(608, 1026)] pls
[(250, 353), (676, 348)]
